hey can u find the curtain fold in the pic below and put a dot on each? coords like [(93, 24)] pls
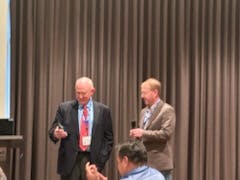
[(191, 46)]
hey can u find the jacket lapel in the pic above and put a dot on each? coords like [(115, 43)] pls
[(75, 119), (142, 117), (157, 110), (95, 115)]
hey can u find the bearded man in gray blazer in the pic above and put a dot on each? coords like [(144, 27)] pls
[(157, 127), (84, 129)]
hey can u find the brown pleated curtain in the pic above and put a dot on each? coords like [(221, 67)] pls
[(191, 46)]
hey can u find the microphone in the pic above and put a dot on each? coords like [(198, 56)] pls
[(133, 124)]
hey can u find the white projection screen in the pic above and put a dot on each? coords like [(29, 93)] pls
[(5, 59)]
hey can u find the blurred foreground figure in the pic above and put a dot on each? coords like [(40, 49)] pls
[(131, 163)]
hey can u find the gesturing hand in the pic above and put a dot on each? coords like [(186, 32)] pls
[(59, 133)]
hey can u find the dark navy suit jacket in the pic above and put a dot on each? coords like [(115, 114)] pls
[(102, 135)]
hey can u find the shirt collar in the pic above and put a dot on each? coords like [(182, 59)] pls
[(135, 171), (89, 104), (154, 105)]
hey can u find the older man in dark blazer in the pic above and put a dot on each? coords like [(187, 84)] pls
[(73, 120), (157, 126)]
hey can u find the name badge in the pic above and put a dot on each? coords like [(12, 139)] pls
[(86, 140)]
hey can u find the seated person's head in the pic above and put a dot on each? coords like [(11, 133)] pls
[(130, 155)]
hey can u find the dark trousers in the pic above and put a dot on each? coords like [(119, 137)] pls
[(167, 174), (78, 172)]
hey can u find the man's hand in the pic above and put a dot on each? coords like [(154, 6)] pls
[(59, 133), (136, 133), (92, 172)]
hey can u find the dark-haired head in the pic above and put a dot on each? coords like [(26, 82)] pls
[(135, 151)]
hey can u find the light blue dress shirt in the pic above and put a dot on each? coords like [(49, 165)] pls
[(89, 117), (143, 173), (148, 113)]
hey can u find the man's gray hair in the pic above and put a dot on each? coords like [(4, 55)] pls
[(85, 79)]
